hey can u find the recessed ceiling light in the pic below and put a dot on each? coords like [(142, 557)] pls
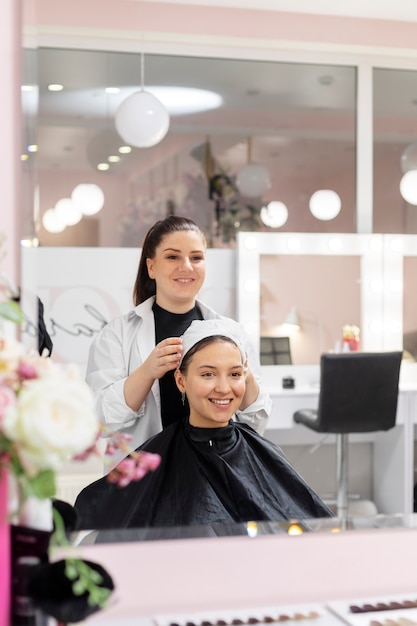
[(24, 157), (125, 149), (28, 88), (113, 159), (55, 87), (103, 167), (32, 148)]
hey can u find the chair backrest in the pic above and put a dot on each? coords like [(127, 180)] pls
[(358, 391), (275, 351)]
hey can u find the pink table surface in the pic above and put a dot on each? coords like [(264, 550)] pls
[(162, 577)]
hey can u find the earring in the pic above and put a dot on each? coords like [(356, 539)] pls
[(183, 398)]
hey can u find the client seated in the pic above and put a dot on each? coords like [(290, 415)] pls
[(213, 469)]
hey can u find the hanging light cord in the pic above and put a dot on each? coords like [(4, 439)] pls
[(142, 70)]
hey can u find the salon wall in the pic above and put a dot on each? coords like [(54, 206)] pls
[(272, 29)]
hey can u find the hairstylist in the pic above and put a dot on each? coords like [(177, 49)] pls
[(132, 360)]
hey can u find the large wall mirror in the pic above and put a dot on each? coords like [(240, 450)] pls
[(296, 119)]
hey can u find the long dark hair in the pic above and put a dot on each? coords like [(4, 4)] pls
[(145, 287)]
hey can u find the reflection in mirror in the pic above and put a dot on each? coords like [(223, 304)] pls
[(330, 280), (394, 149), (326, 296), (296, 120)]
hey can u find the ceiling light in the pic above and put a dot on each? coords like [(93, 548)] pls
[(142, 120), (55, 87), (24, 157), (27, 88), (274, 214), (408, 186), (68, 212), (252, 179), (112, 90), (103, 167), (113, 159), (33, 148), (408, 159), (125, 149), (51, 222), (88, 198), (325, 204)]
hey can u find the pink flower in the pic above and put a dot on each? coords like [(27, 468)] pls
[(27, 371), (7, 399), (134, 468)]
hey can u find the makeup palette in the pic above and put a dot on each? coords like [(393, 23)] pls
[(307, 615), (398, 610)]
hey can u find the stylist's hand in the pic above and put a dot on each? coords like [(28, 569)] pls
[(164, 357)]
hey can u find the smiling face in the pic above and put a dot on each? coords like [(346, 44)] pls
[(179, 270), (214, 383)]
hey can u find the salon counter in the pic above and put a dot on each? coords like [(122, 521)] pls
[(393, 450), (174, 581)]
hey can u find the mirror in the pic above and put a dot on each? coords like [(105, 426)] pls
[(280, 271), (311, 109), (297, 120)]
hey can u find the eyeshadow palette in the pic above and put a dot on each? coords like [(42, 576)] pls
[(308, 615), (397, 610)]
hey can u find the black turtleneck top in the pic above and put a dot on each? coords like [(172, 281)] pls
[(169, 324)]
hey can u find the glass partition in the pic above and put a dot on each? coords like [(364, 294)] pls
[(297, 121)]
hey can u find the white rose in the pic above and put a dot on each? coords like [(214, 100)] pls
[(53, 421), (11, 352)]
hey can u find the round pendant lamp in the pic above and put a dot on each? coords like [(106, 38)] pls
[(142, 120), (253, 179), (88, 198), (409, 158), (325, 204), (274, 214), (408, 187)]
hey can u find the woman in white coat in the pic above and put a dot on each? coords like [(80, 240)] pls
[(132, 360)]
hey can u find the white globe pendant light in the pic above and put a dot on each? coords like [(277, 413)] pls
[(274, 214), (68, 212), (409, 158), (88, 198), (325, 204), (408, 187), (51, 222), (142, 120), (252, 180)]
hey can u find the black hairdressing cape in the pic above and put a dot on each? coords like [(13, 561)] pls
[(230, 474)]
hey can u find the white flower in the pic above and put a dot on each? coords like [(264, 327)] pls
[(11, 351), (53, 421)]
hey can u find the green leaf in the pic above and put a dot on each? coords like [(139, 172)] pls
[(12, 312), (42, 485)]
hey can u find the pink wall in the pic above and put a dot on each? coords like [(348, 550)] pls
[(225, 22), (10, 124)]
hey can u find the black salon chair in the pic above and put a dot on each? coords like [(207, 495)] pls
[(358, 394)]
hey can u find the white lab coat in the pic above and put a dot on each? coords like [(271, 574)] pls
[(119, 348)]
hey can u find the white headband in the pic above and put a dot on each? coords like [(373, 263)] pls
[(200, 329)]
